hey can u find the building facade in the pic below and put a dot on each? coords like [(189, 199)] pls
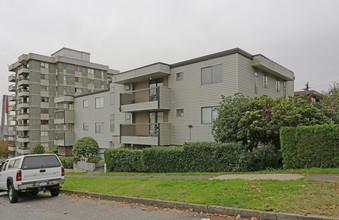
[(38, 82), (170, 104)]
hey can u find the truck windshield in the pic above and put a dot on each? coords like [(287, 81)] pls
[(43, 161)]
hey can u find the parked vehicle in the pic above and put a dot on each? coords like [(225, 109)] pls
[(31, 173)]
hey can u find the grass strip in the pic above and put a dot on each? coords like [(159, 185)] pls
[(298, 196), (280, 171)]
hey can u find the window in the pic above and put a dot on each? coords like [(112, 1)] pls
[(111, 144), (128, 118), (111, 91), (255, 83), (78, 68), (208, 114), (65, 66), (90, 81), (102, 74), (180, 112), (277, 85), (44, 99), (44, 88), (112, 123), (99, 102), (85, 126), (128, 87), (109, 76), (44, 65), (44, 111), (90, 71), (89, 90), (44, 133), (99, 127), (180, 76), (211, 74), (78, 79), (44, 122), (14, 163), (264, 80), (85, 103), (44, 76), (78, 90)]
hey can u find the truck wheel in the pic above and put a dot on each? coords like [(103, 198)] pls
[(13, 195), (55, 192)]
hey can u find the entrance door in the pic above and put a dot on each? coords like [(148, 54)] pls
[(154, 119), (153, 84)]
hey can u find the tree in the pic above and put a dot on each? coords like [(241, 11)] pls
[(85, 147), (4, 152), (37, 149), (258, 120), (307, 87)]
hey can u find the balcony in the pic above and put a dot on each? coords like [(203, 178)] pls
[(23, 150), (23, 82), (23, 139), (145, 99), (12, 88), (64, 117), (157, 70), (11, 148), (11, 118), (267, 65), (11, 78), (11, 98), (64, 138), (11, 108), (23, 92), (23, 70), (11, 138), (64, 99), (22, 116), (24, 127), (157, 134), (23, 104)]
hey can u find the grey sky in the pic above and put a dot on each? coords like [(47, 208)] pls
[(302, 35)]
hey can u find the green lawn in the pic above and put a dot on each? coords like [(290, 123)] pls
[(75, 173), (299, 196), (298, 171)]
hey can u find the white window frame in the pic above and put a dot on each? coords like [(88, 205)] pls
[(212, 109), (85, 126), (85, 103), (212, 69), (277, 85), (179, 112), (179, 76), (112, 93), (265, 80), (99, 127), (99, 102), (112, 123), (255, 83)]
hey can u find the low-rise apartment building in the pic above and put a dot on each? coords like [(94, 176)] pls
[(170, 104)]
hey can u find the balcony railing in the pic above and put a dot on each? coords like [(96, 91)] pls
[(11, 78), (64, 117), (145, 99), (11, 98), (64, 138), (145, 133), (23, 70), (11, 88)]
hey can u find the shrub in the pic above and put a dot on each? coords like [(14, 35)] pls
[(85, 147), (123, 160), (93, 159), (67, 162), (194, 157), (310, 146), (51, 151), (37, 149)]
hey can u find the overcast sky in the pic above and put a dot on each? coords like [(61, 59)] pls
[(302, 35)]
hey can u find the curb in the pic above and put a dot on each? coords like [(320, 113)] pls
[(201, 208)]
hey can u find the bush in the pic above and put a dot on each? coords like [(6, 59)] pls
[(37, 149), (310, 146), (51, 151), (123, 160), (93, 159), (85, 147), (67, 162), (194, 157)]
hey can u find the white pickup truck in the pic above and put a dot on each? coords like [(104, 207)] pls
[(31, 173)]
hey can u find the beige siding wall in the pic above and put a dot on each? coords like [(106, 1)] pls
[(246, 81), (190, 95), (91, 115)]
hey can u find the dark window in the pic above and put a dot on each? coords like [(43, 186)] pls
[(44, 161)]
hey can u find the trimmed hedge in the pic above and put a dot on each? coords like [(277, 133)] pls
[(310, 146), (193, 157), (67, 162)]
